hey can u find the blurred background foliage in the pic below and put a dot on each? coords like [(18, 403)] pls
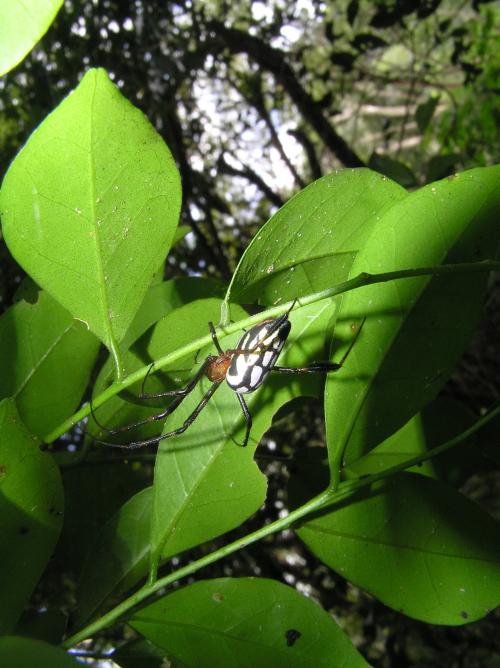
[(255, 100)]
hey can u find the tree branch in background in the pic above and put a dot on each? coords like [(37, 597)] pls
[(308, 146), (260, 104), (253, 177), (195, 190), (274, 61)]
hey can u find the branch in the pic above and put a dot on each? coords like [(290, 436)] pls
[(193, 185), (274, 60), (307, 145), (260, 104), (248, 173)]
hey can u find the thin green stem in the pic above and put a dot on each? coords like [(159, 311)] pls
[(354, 485), (117, 359), (320, 502), (361, 280), (149, 589)]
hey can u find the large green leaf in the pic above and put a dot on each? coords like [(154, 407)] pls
[(414, 543), (244, 623), (47, 625), (205, 484), (415, 329), (16, 652), (31, 505), (311, 242), (439, 421), (394, 169), (166, 296), (22, 24), (140, 653), (210, 502), (46, 357), (120, 555), (90, 206), (94, 491)]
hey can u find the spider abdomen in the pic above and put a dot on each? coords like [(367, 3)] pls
[(256, 354)]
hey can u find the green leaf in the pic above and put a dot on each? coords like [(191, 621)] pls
[(407, 442), (18, 652), (180, 233), (417, 328), (22, 24), (488, 439), (90, 206), (120, 555), (243, 623), (416, 544), (425, 112), (160, 300), (46, 357), (205, 484), (140, 653), (440, 166), (439, 421), (313, 239), (393, 169), (119, 558), (31, 505), (47, 625), (94, 491)]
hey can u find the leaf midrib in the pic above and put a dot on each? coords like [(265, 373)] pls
[(96, 236), (394, 546)]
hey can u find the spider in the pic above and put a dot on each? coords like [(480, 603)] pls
[(244, 368)]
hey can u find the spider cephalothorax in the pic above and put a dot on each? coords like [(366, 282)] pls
[(244, 368)]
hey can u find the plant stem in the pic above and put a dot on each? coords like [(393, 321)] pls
[(117, 359), (320, 502), (361, 280), (145, 592)]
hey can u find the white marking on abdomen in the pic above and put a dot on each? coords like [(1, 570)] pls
[(255, 376), (267, 358)]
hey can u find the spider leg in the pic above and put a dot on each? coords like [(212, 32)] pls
[(214, 338), (152, 418), (351, 345), (311, 368), (143, 385), (274, 327), (248, 419), (175, 432), (322, 366), (180, 394)]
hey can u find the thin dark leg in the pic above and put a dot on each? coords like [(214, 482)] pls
[(181, 394), (311, 368), (143, 395), (321, 366), (175, 432), (214, 338), (248, 419), (351, 346), (274, 327)]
